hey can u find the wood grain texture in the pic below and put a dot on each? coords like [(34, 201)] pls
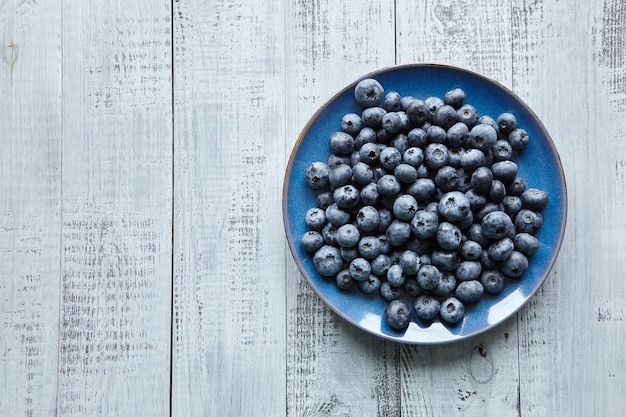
[(117, 209), (333, 369), (481, 375), (229, 283), (30, 207), (571, 367)]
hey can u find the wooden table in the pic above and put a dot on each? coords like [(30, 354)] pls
[(144, 268)]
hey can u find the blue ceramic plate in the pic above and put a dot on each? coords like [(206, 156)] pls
[(539, 166)]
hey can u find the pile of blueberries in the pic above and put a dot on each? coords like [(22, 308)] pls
[(421, 202)]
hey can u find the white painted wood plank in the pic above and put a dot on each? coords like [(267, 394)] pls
[(30, 208), (117, 209), (570, 65), (332, 367), (479, 376), (229, 284)]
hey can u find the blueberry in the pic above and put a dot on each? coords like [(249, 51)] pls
[(471, 250), (436, 155), (360, 269), (351, 123), (528, 221), (334, 160), (454, 97), (346, 197), (436, 134), (447, 178), (422, 189), (477, 201), (329, 233), (496, 225), (445, 260), (398, 232), (390, 157), (497, 191), (367, 218), (424, 224), (504, 170), (433, 103), (502, 150), (392, 122), (472, 158), (417, 137), (327, 261), (324, 200), (418, 112), (501, 249), (366, 135), (426, 307), (515, 265), (468, 270), (362, 173), (483, 137), (405, 173), (388, 185), (506, 123), (451, 310), (348, 236), (369, 247), (404, 207), (380, 265), (340, 175), (405, 101), (534, 199), (454, 206), (312, 241), (512, 205), (446, 285), (369, 153), (316, 175), (392, 101), (400, 142), (388, 292), (315, 218), (486, 209), (464, 180), (475, 233), (518, 139), (481, 179), (448, 236), (457, 135), (385, 247), (396, 276), (343, 280), (492, 281), (409, 262), (341, 143), (454, 156), (369, 194), (516, 186), (370, 285), (412, 288), (385, 217), (526, 243), (349, 254), (469, 292), (397, 314), (445, 116), (373, 117), (467, 114), (369, 93), (428, 277)]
